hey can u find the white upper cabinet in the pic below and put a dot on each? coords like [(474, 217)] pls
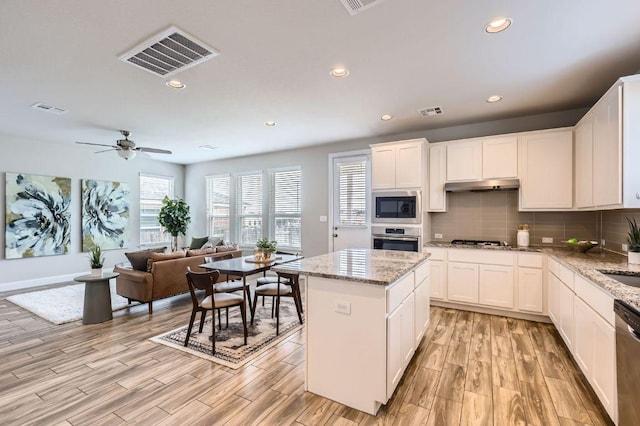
[(606, 149), (545, 163), (464, 160), (437, 177), (584, 163), (397, 165), (500, 157)]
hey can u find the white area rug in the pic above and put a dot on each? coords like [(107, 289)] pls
[(63, 304)]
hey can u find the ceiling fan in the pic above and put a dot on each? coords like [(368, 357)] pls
[(127, 148)]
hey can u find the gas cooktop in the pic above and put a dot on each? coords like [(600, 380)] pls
[(477, 243)]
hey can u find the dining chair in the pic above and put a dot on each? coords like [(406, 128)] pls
[(288, 285), (212, 301), (271, 280), (230, 287)]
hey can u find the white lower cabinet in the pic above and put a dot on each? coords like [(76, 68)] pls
[(565, 319), (462, 282), (400, 341), (438, 279), (578, 316), (530, 286), (422, 309), (495, 287), (553, 284)]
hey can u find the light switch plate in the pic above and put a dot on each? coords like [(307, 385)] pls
[(343, 307), (437, 236), (323, 218)]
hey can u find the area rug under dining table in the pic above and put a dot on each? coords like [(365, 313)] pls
[(230, 348)]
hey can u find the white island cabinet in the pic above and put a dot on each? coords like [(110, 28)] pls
[(366, 312)]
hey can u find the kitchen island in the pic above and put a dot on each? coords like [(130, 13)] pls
[(366, 312)]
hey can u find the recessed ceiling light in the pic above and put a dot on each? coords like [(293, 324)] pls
[(498, 24), (494, 98), (386, 117), (339, 72), (175, 84), (270, 123)]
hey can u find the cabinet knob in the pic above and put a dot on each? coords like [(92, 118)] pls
[(637, 195)]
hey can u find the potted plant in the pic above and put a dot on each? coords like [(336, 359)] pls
[(633, 240), (96, 259), (174, 217), (264, 248)]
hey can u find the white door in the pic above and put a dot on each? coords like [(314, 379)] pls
[(350, 202)]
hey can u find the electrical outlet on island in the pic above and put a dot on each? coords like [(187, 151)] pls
[(547, 240)]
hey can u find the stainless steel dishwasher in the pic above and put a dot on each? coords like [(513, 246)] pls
[(627, 357)]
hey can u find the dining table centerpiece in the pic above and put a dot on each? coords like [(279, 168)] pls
[(263, 249)]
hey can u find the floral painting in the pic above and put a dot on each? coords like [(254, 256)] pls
[(105, 214), (37, 221)]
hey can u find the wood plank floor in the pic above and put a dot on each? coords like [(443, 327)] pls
[(471, 369)]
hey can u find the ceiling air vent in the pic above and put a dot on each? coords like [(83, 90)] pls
[(49, 108), (357, 6), (169, 52), (427, 112)]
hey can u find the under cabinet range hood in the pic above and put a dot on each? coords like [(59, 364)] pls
[(483, 185)]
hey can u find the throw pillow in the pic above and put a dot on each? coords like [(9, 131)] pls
[(157, 257), (198, 242), (201, 252), (222, 249), (138, 259)]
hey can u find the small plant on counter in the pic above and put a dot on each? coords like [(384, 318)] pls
[(633, 237), (96, 259)]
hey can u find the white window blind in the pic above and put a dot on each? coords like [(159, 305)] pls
[(152, 190), (248, 197), (285, 212), (219, 206), (352, 192)]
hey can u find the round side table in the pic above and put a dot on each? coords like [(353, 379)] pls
[(97, 297)]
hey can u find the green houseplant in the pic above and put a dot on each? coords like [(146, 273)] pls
[(174, 217), (264, 248), (96, 260), (633, 240)]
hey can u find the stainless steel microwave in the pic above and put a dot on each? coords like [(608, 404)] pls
[(397, 207)]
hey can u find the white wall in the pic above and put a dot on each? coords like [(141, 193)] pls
[(75, 162), (315, 178)]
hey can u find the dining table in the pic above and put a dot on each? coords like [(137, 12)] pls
[(247, 265)]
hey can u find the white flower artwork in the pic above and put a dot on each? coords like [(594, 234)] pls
[(105, 214), (37, 215)]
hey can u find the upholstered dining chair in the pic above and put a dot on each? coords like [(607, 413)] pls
[(230, 287), (264, 279), (212, 301), (287, 285)]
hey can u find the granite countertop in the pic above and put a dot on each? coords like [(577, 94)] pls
[(591, 263), (587, 264), (380, 267)]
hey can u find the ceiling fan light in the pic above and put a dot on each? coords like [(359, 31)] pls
[(126, 153)]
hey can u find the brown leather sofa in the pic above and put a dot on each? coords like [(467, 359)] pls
[(166, 278)]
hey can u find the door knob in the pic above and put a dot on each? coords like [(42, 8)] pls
[(335, 235)]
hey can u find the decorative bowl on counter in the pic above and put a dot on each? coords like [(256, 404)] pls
[(581, 246)]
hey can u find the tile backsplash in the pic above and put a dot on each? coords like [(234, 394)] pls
[(495, 216), (615, 227)]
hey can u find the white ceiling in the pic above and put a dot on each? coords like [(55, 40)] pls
[(274, 64)]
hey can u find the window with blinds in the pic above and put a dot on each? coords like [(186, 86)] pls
[(152, 190), (219, 206), (248, 197), (351, 209), (285, 208)]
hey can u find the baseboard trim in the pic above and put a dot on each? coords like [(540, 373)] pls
[(37, 282), (491, 311)]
